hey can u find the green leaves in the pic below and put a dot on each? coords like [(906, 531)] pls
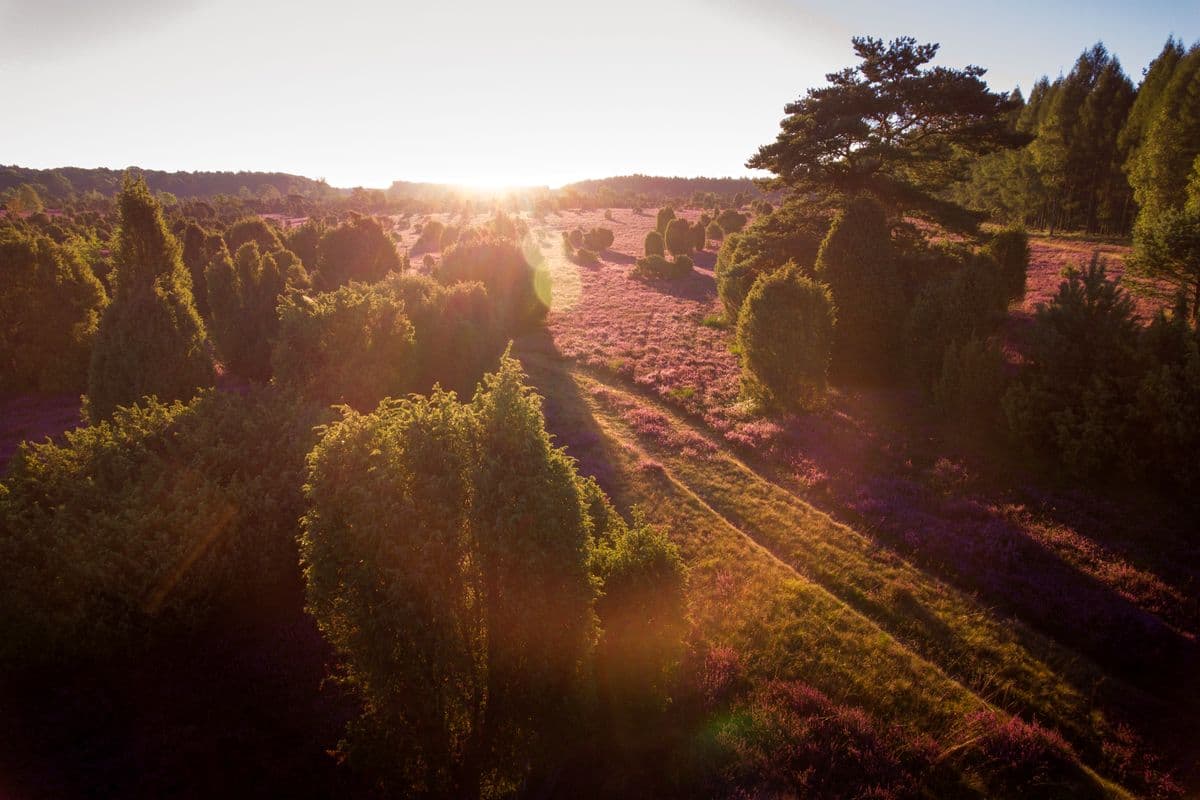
[(889, 127)]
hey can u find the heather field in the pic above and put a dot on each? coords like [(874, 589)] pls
[(1076, 609)]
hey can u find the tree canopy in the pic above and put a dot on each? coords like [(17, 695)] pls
[(891, 127)]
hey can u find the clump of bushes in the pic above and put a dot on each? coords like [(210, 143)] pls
[(252, 229), (731, 221), (143, 522), (447, 552), (243, 293), (714, 231), (856, 260), (50, 307), (968, 303), (656, 266), (791, 233), (785, 335), (430, 237), (516, 277), (598, 239), (151, 340), (357, 250), (354, 345), (970, 385)]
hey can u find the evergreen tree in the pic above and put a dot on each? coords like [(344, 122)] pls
[(50, 306), (890, 127), (1149, 97), (151, 340), (1161, 172), (857, 262), (243, 294)]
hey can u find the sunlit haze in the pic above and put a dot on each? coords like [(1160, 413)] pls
[(527, 92)]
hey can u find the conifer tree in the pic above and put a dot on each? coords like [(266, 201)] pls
[(151, 340), (243, 293), (1163, 168), (858, 263)]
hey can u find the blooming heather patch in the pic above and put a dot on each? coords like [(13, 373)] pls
[(873, 460)]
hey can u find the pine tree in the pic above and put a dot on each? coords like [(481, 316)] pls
[(151, 340)]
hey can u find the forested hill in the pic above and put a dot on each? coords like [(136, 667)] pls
[(65, 182), (653, 186)]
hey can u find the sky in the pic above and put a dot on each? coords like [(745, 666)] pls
[(523, 92)]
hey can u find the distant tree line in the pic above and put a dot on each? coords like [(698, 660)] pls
[(1101, 151)]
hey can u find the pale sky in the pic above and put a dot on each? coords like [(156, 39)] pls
[(488, 93)]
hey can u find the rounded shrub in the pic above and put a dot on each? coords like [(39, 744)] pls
[(679, 238), (252, 229), (598, 239), (354, 346), (785, 336), (731, 221), (516, 277), (357, 250), (654, 244), (714, 231)]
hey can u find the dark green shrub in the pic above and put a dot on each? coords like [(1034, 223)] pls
[(351, 346), (662, 267), (678, 238), (731, 221), (598, 239), (967, 304), (449, 236), (50, 307), (654, 245), (141, 523), (576, 237), (793, 233), (252, 229), (585, 257), (664, 217), (304, 240), (714, 231), (356, 250), (1010, 249), (1073, 402), (151, 340), (1167, 410), (446, 554), (516, 277), (785, 335), (643, 612), (430, 237), (243, 294), (970, 386), (428, 262), (699, 239), (857, 262)]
